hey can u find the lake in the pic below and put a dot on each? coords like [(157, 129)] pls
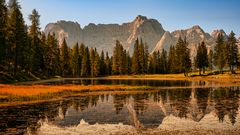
[(181, 110)]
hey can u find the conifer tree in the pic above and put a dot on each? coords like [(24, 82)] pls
[(65, 59), (163, 62), (232, 51), (3, 31), (183, 57), (34, 33), (86, 65), (108, 65), (17, 37), (96, 64), (172, 60), (92, 60), (220, 53), (135, 59), (76, 61), (102, 64), (146, 54), (210, 60), (202, 57), (118, 65)]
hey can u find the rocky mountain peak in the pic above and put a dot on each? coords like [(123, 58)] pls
[(215, 33), (141, 18)]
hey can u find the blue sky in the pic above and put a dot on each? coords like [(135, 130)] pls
[(172, 14)]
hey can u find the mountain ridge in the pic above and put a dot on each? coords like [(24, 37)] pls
[(104, 36)]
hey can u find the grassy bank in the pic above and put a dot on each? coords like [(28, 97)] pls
[(21, 94), (194, 76)]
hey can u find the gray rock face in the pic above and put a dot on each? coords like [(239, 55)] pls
[(215, 33), (165, 42), (104, 36), (71, 31)]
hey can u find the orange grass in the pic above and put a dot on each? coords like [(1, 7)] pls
[(26, 90)]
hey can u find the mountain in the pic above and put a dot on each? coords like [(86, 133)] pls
[(194, 36), (65, 29), (165, 42), (104, 36), (215, 33)]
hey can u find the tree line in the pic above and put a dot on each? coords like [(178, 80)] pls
[(25, 49)]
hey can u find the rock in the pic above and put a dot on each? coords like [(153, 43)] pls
[(215, 33), (104, 36), (71, 31), (165, 42)]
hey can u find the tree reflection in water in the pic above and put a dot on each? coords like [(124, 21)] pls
[(142, 110)]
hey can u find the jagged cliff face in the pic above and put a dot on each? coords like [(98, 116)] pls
[(104, 36), (194, 35), (65, 29), (215, 33)]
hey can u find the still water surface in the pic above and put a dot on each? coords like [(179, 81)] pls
[(175, 109)]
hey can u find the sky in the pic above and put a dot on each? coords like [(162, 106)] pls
[(172, 14)]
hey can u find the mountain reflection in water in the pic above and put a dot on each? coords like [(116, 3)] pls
[(210, 108)]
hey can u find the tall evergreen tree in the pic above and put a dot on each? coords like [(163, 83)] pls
[(210, 60), (86, 65), (96, 64), (163, 62), (119, 59), (202, 57), (102, 64), (65, 59), (220, 53), (34, 33), (135, 59), (17, 37), (108, 64), (92, 60), (76, 65), (232, 51), (3, 31), (172, 60), (183, 56)]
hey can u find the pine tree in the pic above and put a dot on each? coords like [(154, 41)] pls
[(210, 60), (141, 57), (232, 51), (183, 56), (86, 65), (96, 66), (108, 65), (92, 60), (34, 33), (163, 62), (202, 57), (172, 60), (65, 67), (220, 53), (17, 37), (119, 65), (102, 64), (128, 63), (135, 59), (3, 32), (153, 63), (146, 54), (75, 61)]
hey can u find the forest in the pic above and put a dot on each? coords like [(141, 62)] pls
[(26, 53)]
